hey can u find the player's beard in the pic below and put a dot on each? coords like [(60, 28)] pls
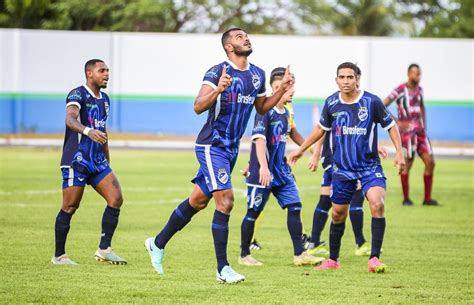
[(239, 52)]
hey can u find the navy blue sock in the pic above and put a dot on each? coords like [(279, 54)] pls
[(220, 233), (109, 224), (295, 227), (61, 228), (319, 218), (356, 213), (246, 231), (378, 231), (335, 235), (180, 217)]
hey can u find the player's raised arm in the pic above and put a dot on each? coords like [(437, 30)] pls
[(263, 104), (72, 113), (207, 95)]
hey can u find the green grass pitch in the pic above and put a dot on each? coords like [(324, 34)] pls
[(428, 250)]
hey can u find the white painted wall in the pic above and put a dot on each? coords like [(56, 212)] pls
[(173, 64)]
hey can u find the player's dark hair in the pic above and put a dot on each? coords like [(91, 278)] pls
[(277, 73), (349, 65), (91, 63), (413, 66), (226, 34)]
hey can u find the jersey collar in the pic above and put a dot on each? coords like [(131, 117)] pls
[(278, 110), (92, 93), (355, 102), (235, 67)]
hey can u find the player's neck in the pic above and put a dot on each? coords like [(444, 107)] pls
[(241, 62), (411, 85), (350, 97), (94, 89)]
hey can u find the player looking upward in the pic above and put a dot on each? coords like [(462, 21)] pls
[(86, 160), (412, 124), (229, 92), (352, 116)]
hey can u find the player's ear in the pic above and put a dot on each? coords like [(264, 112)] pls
[(229, 48)]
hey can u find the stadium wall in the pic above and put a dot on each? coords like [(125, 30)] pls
[(155, 76)]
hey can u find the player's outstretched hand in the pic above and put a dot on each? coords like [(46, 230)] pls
[(294, 156), (265, 176), (383, 153), (225, 80), (288, 79), (400, 162), (97, 136), (313, 163)]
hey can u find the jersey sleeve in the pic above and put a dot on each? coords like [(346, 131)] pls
[(263, 90), (325, 121), (260, 127), (212, 76), (395, 93), (74, 98), (382, 116)]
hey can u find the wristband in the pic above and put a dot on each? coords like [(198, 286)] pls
[(86, 131)]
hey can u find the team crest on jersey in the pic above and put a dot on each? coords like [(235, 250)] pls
[(256, 81), (78, 157), (258, 200), (363, 113), (222, 176)]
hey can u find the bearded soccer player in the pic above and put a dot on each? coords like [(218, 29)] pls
[(412, 124), (86, 160), (352, 116), (229, 92)]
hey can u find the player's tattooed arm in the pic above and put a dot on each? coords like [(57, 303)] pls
[(399, 159), (72, 113), (316, 134), (207, 95), (265, 176), (316, 154), (263, 104)]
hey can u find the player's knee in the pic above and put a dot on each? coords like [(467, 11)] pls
[(377, 207), (70, 208), (430, 165), (116, 202), (199, 203), (225, 203), (339, 215)]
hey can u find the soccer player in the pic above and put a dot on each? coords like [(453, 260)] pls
[(229, 92), (86, 160), (269, 173), (275, 82), (352, 116), (412, 124)]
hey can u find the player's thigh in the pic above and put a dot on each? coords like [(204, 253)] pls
[(109, 188), (257, 198), (72, 196), (376, 198), (325, 191)]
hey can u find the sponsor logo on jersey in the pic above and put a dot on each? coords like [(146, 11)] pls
[(99, 123), (258, 200), (338, 113), (211, 74), (363, 113), (245, 99), (256, 81), (80, 178), (222, 176), (259, 127), (352, 131)]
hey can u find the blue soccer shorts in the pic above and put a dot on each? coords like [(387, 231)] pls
[(343, 190), (286, 194), (72, 177), (327, 177), (215, 168)]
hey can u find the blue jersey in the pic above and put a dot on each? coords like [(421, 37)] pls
[(273, 127), (354, 133), (229, 115), (326, 154), (79, 151)]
